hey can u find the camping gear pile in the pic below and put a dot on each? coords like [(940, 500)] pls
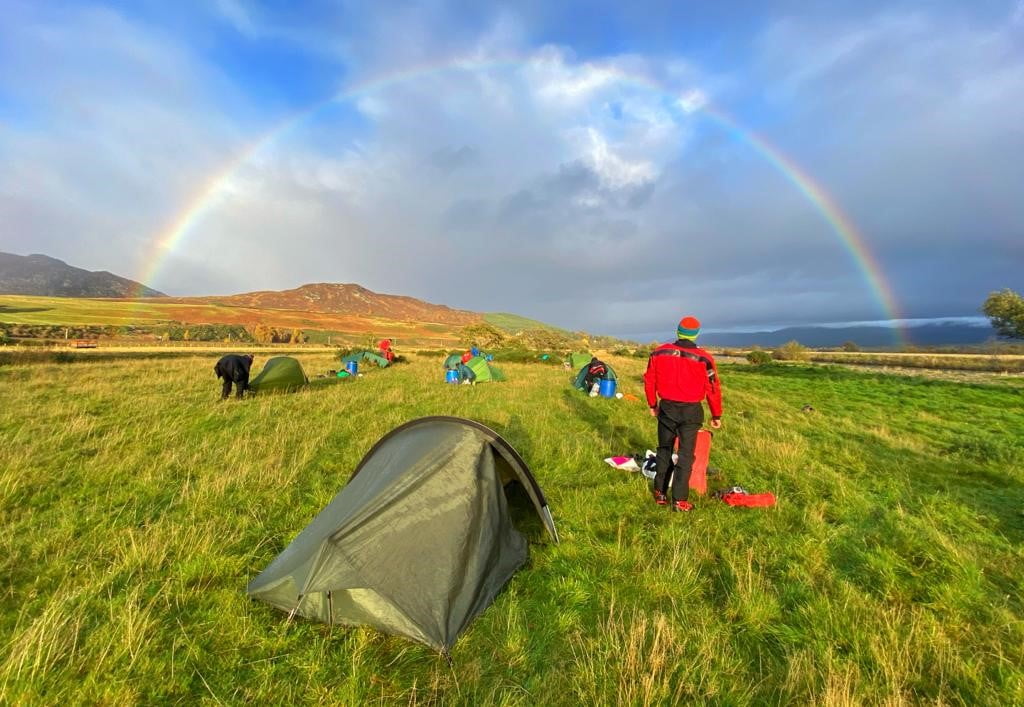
[(471, 369), (646, 464), (606, 380), (421, 539)]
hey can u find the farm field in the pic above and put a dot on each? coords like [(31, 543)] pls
[(135, 507)]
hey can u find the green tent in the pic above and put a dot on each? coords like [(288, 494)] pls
[(279, 373), (578, 383), (483, 370), (421, 539), (453, 361), (360, 356), (577, 359)]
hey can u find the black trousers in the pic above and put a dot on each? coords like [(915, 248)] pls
[(682, 420), (240, 387)]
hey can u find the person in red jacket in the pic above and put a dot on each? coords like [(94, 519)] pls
[(679, 377)]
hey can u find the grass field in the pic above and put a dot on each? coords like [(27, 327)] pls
[(68, 311), (135, 507)]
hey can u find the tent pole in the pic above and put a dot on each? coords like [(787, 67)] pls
[(330, 607), (291, 614)]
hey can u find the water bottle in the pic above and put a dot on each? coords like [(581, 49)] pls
[(594, 390)]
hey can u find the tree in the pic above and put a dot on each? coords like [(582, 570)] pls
[(483, 334), (298, 337), (757, 357), (1005, 310), (850, 346), (262, 334), (791, 351)]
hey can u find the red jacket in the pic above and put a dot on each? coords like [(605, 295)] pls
[(684, 373)]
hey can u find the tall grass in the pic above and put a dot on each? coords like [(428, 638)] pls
[(135, 507)]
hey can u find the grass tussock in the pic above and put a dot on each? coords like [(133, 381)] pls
[(135, 507)]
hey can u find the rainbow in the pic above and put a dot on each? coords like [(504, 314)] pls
[(205, 198)]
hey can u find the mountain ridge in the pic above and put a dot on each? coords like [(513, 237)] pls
[(44, 276), (344, 298)]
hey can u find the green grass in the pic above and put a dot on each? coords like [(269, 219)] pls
[(135, 507), (515, 323)]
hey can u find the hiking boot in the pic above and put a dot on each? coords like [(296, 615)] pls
[(660, 498), (682, 506)]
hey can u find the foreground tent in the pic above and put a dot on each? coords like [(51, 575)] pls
[(279, 373), (453, 361), (483, 370), (578, 359), (421, 539), (578, 383), (360, 356)]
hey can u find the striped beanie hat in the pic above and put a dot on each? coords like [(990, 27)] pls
[(689, 328)]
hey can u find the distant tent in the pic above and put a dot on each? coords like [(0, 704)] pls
[(360, 356), (453, 361), (279, 373), (578, 383), (419, 542), (483, 370), (578, 359)]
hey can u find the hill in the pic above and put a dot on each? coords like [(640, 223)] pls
[(514, 323), (43, 276), (938, 334), (348, 299)]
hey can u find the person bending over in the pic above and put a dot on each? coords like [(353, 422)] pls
[(234, 369)]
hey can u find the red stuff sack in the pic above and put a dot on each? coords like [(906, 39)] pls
[(750, 500)]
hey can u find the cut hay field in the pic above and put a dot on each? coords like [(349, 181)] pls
[(134, 508)]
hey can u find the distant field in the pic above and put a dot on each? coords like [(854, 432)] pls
[(17, 309), (999, 363), (134, 508)]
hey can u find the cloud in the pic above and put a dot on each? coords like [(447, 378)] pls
[(118, 128), (510, 172)]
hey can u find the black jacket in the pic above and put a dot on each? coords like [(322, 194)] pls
[(233, 367)]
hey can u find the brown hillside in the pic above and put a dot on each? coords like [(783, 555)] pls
[(346, 299)]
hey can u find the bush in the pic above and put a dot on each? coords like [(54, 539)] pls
[(759, 358), (850, 346), (791, 351)]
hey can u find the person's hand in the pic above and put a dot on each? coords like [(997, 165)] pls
[(716, 424), (654, 411)]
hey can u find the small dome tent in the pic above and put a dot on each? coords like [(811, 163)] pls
[(418, 543), (360, 356), (279, 373), (483, 370), (575, 360), (581, 376), (477, 369)]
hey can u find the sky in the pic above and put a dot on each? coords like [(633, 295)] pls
[(600, 166)]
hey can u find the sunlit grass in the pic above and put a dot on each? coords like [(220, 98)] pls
[(135, 507)]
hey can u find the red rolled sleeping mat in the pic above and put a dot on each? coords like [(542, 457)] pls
[(701, 453), (750, 500)]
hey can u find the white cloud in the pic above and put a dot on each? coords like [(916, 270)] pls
[(693, 100), (615, 172), (571, 171)]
